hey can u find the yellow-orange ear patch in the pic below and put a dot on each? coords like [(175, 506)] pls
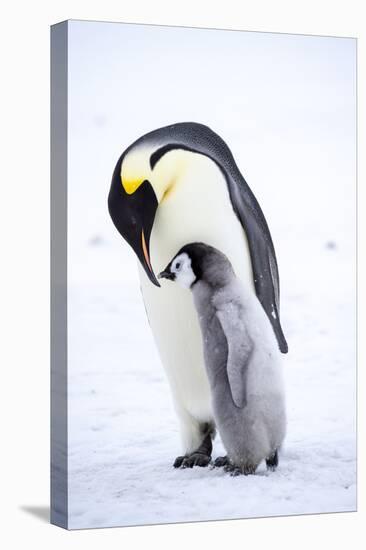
[(131, 185), (135, 169)]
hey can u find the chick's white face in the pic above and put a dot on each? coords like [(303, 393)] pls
[(181, 267)]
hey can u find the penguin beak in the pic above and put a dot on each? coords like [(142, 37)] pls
[(133, 215), (167, 274), (145, 259)]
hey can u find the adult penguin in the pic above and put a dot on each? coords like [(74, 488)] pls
[(175, 185)]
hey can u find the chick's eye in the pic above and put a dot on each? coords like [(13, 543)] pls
[(177, 265)]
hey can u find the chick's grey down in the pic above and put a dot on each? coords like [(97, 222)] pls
[(242, 358)]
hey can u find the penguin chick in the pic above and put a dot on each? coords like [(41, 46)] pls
[(242, 358)]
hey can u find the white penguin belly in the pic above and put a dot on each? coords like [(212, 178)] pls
[(196, 209)]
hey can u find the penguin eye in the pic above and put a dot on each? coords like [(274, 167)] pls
[(177, 265)]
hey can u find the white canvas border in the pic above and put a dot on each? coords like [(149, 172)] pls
[(27, 117)]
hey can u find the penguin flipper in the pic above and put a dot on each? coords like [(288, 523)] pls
[(262, 253), (240, 350)]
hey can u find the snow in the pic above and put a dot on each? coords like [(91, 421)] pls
[(288, 117)]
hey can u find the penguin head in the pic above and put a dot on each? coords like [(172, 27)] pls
[(144, 176), (180, 269), (132, 204), (142, 179), (198, 262)]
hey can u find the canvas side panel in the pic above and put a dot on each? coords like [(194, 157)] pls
[(59, 483)]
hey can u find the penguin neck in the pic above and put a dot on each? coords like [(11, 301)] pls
[(195, 206), (170, 172)]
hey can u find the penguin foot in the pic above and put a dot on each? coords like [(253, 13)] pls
[(199, 457), (178, 461), (196, 459), (272, 462), (234, 471), (221, 461)]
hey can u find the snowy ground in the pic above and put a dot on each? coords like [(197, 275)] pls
[(123, 435), (291, 129)]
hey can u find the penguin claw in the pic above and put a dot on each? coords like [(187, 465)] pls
[(220, 461), (239, 470), (178, 461), (229, 468), (194, 459), (272, 462)]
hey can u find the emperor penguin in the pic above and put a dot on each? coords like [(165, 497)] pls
[(242, 358), (180, 184)]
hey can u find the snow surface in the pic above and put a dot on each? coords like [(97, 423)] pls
[(288, 115)]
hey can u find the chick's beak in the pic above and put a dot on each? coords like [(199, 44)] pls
[(166, 274)]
